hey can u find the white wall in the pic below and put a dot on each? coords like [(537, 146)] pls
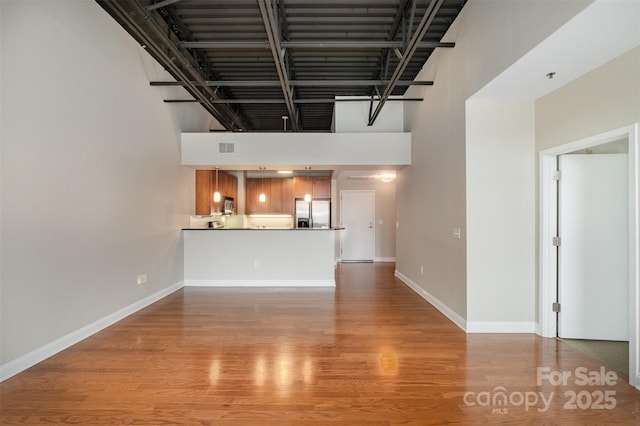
[(489, 36), (604, 99), (296, 150), (500, 215), (353, 117), (93, 193)]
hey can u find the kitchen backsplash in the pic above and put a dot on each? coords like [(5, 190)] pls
[(243, 221), (266, 221)]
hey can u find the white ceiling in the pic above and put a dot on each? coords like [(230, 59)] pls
[(601, 32)]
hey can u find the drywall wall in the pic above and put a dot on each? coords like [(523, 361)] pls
[(385, 212), (353, 117), (606, 98), (93, 193), (489, 36), (501, 214), (296, 150)]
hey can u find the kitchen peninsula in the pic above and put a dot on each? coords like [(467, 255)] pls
[(263, 242), (259, 257)]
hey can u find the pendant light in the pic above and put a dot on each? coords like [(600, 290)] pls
[(216, 194), (262, 197)]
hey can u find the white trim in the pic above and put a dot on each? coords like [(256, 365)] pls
[(260, 283), (18, 365), (548, 225), (384, 259), (434, 301), (501, 327)]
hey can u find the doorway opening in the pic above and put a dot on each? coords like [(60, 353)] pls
[(548, 230)]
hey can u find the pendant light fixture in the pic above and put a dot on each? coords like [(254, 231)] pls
[(216, 194), (262, 197), (307, 197)]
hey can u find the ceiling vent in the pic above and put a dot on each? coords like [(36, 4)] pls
[(226, 147)]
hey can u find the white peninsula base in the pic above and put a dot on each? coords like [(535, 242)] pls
[(259, 258)]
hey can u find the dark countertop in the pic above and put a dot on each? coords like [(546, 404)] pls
[(262, 229)]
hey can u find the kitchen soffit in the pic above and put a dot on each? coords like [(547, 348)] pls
[(249, 63)]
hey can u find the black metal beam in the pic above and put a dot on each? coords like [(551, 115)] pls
[(424, 24), (296, 101), (337, 45), (299, 83), (160, 4), (270, 24), (143, 26)]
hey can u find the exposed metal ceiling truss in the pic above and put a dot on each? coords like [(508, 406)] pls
[(251, 62)]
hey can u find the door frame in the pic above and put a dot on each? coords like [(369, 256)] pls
[(373, 208), (548, 193)]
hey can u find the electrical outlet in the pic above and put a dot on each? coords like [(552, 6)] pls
[(456, 233), (256, 263), (142, 278)]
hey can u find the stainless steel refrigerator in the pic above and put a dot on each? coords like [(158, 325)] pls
[(313, 214)]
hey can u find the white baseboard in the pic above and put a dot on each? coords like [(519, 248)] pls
[(18, 365), (384, 259), (259, 283), (470, 326), (539, 329), (501, 327), (443, 308)]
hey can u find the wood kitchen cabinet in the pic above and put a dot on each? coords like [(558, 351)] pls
[(321, 187), (302, 185), (282, 199), (288, 200), (206, 186), (278, 192), (204, 193), (316, 186), (253, 188)]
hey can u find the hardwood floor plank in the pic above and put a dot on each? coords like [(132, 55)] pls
[(368, 352)]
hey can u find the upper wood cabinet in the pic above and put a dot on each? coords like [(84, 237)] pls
[(302, 186), (206, 185), (255, 187), (321, 187), (316, 186), (288, 200), (204, 193), (282, 200), (227, 184), (278, 193)]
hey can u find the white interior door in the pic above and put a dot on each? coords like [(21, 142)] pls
[(593, 254), (357, 216)]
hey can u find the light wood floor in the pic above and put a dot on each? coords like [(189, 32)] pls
[(371, 352)]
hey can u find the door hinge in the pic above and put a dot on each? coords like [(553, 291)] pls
[(557, 175), (556, 307), (556, 241)]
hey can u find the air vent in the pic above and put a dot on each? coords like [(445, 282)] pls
[(361, 177), (226, 147)]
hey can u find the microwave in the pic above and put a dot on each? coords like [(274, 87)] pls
[(228, 205)]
